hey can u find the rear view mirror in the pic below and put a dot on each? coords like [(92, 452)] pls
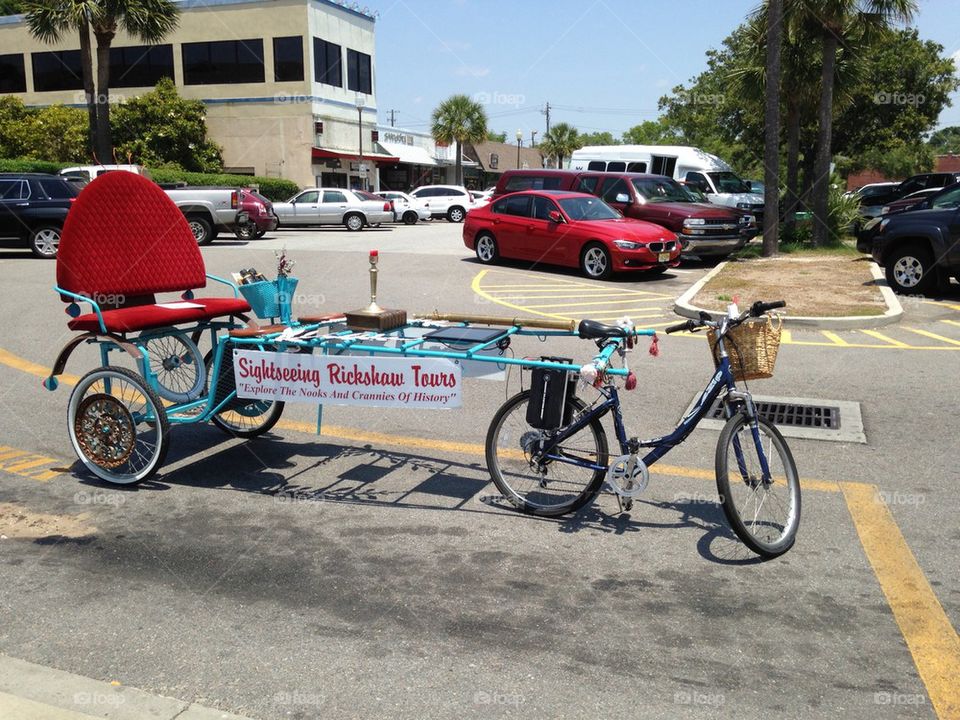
[(622, 198), (555, 216)]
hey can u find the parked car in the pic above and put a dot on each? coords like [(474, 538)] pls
[(920, 249), (939, 198), (85, 173), (452, 202), (571, 229), (872, 198), (209, 210), (260, 216), (704, 229), (406, 208), (911, 201), (33, 207), (332, 206)]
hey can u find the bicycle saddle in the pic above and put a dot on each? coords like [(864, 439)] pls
[(593, 330)]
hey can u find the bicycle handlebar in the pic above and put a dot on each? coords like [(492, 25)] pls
[(756, 310), (680, 327), (760, 308)]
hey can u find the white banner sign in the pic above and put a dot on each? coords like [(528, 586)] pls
[(351, 380)]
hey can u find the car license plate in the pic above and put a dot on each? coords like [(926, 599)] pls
[(663, 257)]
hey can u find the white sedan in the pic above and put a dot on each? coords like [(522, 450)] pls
[(405, 207), (333, 206)]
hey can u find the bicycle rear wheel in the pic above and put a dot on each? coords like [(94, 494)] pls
[(763, 508), (547, 488)]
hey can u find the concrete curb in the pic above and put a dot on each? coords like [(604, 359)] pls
[(34, 692), (684, 307)]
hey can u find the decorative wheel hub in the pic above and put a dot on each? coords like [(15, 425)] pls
[(105, 430), (908, 271), (171, 363)]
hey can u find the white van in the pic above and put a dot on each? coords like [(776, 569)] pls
[(696, 168), (86, 173)]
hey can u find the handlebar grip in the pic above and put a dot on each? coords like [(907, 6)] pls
[(759, 307), (688, 325)]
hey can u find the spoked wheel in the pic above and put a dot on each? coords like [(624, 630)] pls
[(240, 418), (176, 362), (595, 262), (117, 425), (547, 487), (763, 507)]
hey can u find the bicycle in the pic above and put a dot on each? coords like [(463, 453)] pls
[(551, 471)]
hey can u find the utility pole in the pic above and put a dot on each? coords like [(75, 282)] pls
[(533, 136), (392, 117), (547, 113)]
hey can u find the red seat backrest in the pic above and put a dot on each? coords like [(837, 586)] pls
[(124, 236)]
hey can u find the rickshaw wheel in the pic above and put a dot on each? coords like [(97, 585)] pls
[(240, 418), (118, 426)]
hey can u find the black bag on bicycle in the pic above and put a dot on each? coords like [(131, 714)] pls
[(548, 407)]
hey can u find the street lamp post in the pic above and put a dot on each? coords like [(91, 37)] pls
[(519, 143), (360, 102)]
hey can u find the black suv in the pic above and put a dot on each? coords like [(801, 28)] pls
[(920, 249), (33, 207)]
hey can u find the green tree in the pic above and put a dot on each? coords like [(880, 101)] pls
[(55, 133), (598, 138), (946, 141), (652, 132), (11, 7), (163, 128), (560, 142), (13, 118), (458, 120), (500, 137), (771, 120), (146, 20), (837, 21)]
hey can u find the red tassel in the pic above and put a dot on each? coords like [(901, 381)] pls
[(655, 346)]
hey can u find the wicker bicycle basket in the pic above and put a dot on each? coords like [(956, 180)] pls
[(752, 347)]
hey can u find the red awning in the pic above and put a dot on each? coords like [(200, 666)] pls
[(323, 154)]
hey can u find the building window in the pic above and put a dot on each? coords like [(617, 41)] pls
[(140, 65), (223, 62), (358, 72), (288, 59), (59, 70), (326, 63), (12, 76)]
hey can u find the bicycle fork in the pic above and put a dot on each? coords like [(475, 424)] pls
[(750, 410)]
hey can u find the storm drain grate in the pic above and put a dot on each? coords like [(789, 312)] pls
[(799, 417), (790, 414)]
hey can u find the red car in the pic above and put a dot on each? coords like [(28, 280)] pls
[(260, 211), (568, 228)]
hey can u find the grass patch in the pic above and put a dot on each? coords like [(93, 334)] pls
[(834, 283)]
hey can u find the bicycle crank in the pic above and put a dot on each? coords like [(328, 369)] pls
[(628, 476)]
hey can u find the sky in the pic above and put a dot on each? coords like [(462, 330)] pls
[(601, 64)]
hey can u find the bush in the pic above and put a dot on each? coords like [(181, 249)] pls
[(26, 165), (842, 212), (276, 189)]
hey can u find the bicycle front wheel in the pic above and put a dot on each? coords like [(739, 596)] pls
[(547, 487), (761, 503)]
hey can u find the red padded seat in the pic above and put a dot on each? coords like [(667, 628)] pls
[(144, 317), (126, 240)]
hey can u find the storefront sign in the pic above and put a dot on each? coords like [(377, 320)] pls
[(413, 383), (398, 138)]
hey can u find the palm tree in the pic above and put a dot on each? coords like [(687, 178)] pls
[(147, 20), (771, 130), (459, 120), (560, 141), (48, 21), (836, 19)]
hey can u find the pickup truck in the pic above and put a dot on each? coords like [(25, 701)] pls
[(209, 210), (919, 249)]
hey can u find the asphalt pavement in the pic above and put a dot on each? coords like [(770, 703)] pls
[(371, 571)]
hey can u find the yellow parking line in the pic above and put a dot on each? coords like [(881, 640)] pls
[(578, 294), (941, 304), (884, 338), (836, 339), (19, 467), (930, 636), (8, 452), (578, 304), (951, 322), (932, 336)]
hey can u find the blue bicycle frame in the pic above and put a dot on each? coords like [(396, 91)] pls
[(722, 380)]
